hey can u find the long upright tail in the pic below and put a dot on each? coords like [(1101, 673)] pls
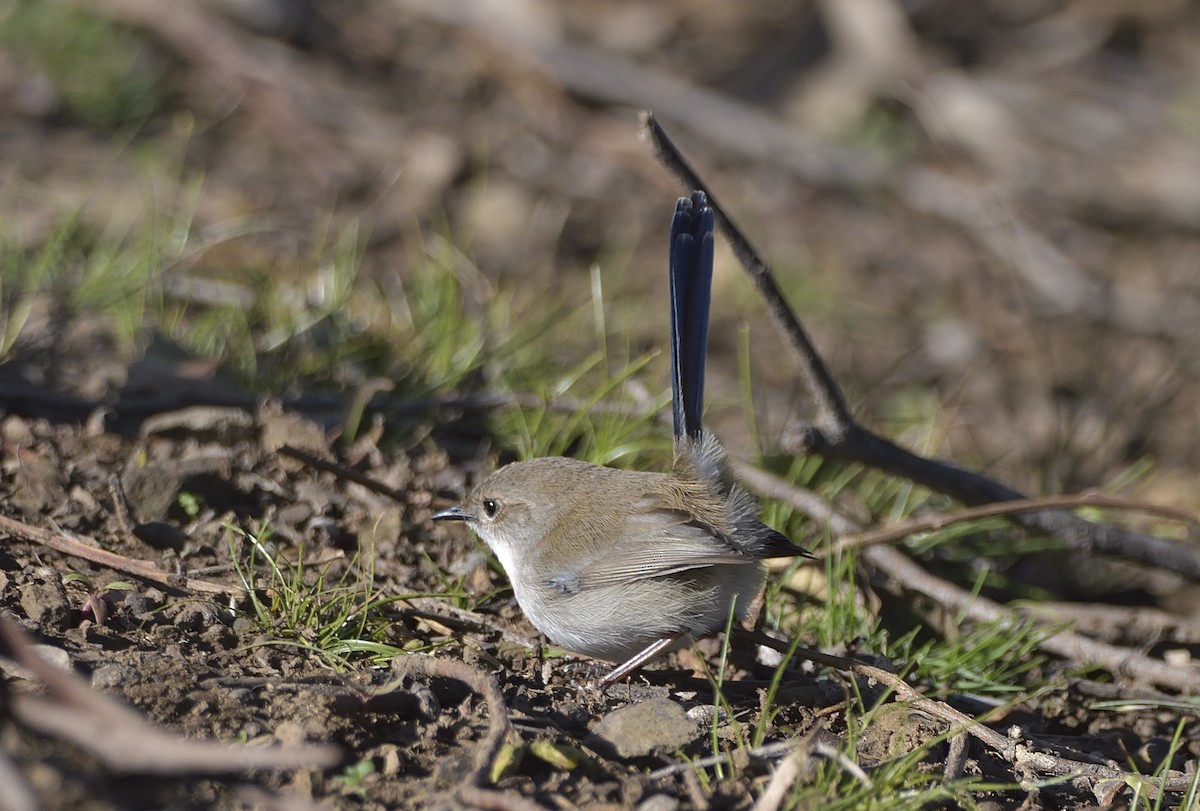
[(691, 267)]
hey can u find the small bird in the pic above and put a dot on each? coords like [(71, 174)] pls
[(623, 565)]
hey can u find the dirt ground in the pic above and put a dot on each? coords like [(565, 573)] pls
[(987, 212)]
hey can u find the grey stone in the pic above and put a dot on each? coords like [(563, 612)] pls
[(637, 730)]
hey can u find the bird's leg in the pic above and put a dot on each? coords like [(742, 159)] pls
[(638, 659)]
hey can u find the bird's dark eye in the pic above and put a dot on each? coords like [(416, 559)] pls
[(491, 507)]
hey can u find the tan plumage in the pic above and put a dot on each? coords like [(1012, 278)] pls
[(617, 564), (606, 561)]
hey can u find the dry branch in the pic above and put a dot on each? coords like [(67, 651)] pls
[(143, 569), (933, 523), (472, 790), (1018, 749), (835, 434), (120, 738), (900, 567)]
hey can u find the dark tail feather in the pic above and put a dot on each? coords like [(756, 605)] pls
[(691, 266)]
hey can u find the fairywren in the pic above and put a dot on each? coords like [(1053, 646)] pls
[(623, 565)]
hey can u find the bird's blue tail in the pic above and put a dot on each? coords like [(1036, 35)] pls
[(691, 267)]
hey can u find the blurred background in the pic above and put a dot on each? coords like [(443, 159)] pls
[(986, 213)]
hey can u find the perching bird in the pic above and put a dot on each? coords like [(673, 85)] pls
[(622, 565)]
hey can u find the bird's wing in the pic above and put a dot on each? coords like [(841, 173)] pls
[(653, 543)]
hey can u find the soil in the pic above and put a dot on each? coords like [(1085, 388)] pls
[(395, 115)]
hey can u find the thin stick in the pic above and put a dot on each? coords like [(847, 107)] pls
[(898, 566), (932, 523), (835, 434), (817, 377), (121, 738), (1015, 747), (144, 569)]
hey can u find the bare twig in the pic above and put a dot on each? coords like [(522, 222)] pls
[(120, 738), (1071, 646), (144, 569), (834, 755), (492, 800), (820, 383), (344, 472), (472, 790), (978, 608), (1015, 747), (764, 752), (785, 774), (956, 758), (932, 523), (835, 434), (1110, 622)]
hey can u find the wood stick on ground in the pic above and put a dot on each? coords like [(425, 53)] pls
[(144, 569), (835, 434), (122, 739), (1016, 747), (932, 523), (895, 564), (472, 790)]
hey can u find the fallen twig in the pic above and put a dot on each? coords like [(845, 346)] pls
[(1140, 622), (1015, 747), (1071, 646), (144, 569), (932, 523), (956, 757), (120, 738), (344, 472), (835, 434), (473, 789), (785, 774), (978, 608)]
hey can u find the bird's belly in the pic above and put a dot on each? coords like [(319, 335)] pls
[(616, 622)]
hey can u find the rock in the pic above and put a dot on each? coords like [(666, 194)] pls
[(659, 802), (111, 676), (46, 604), (637, 730), (37, 487), (55, 656)]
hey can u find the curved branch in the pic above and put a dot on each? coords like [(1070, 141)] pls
[(836, 434)]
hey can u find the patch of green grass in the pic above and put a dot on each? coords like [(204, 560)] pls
[(989, 658), (1148, 794), (80, 267), (355, 775), (21, 280), (344, 620), (104, 74), (994, 659), (275, 320), (586, 411), (588, 427), (897, 784)]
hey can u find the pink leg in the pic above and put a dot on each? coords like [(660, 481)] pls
[(639, 659)]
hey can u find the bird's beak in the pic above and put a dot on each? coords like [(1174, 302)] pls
[(454, 513)]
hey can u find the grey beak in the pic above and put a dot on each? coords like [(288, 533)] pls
[(454, 513)]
